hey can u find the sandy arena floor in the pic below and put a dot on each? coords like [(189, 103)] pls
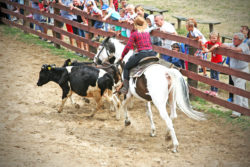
[(33, 134)]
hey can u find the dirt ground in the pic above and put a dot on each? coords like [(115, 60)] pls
[(33, 134)]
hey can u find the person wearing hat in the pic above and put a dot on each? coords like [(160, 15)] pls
[(141, 38), (108, 12)]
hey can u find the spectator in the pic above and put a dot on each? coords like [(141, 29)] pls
[(67, 15), (231, 95), (107, 2), (80, 19), (140, 11), (165, 27), (215, 58), (93, 10), (193, 32), (120, 30), (123, 5), (130, 16), (245, 30), (151, 25), (37, 17), (108, 12), (176, 61), (238, 45)]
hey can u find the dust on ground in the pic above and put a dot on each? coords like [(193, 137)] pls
[(32, 133)]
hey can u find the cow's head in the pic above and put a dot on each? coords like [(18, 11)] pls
[(45, 74), (67, 63)]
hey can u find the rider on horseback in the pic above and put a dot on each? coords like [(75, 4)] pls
[(141, 38)]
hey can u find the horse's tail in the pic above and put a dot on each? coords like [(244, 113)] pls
[(181, 93)]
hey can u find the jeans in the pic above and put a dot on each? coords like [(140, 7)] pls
[(134, 60), (214, 75)]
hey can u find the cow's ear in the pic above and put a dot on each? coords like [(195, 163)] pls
[(49, 68), (44, 66)]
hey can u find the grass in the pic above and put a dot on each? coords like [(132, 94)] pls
[(32, 39), (216, 111)]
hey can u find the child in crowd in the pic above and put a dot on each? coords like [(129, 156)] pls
[(193, 32), (176, 61), (130, 16), (140, 12), (120, 30), (108, 12), (93, 10), (245, 30), (123, 5), (215, 58)]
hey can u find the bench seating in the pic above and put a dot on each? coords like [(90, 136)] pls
[(224, 37), (210, 23), (152, 9)]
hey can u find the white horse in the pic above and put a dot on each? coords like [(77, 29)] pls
[(157, 84)]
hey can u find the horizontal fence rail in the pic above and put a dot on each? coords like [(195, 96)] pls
[(185, 57)]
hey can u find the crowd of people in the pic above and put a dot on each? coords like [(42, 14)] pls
[(123, 12)]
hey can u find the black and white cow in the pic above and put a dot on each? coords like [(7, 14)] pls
[(110, 68), (86, 81)]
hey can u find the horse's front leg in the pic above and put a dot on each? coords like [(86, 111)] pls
[(124, 108), (150, 116)]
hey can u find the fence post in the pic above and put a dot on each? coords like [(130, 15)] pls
[(57, 24), (90, 36), (25, 22), (194, 68)]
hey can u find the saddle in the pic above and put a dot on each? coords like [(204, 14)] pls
[(142, 65), (146, 62)]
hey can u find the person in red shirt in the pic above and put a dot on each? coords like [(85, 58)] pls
[(215, 58), (142, 41)]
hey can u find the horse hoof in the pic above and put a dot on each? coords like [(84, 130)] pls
[(152, 134), (175, 149), (127, 122)]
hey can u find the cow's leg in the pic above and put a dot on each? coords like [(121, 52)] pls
[(66, 93), (72, 101), (98, 105), (62, 104), (150, 116)]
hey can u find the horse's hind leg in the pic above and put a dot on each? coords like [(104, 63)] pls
[(150, 116), (172, 104), (165, 117)]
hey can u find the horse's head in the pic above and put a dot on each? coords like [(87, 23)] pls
[(105, 52)]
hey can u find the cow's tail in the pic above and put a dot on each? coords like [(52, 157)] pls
[(181, 92)]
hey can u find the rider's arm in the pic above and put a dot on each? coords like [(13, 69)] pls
[(129, 45)]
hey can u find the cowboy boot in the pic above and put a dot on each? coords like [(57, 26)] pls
[(124, 89)]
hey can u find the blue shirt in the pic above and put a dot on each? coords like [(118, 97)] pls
[(66, 14)]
